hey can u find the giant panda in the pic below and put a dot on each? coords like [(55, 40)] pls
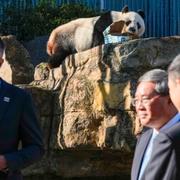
[(84, 33)]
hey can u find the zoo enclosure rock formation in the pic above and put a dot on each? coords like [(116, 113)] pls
[(17, 67), (85, 111), (95, 89)]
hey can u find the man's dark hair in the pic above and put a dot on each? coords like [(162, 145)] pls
[(174, 67), (2, 46)]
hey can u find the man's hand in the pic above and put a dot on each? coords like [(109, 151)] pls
[(3, 163)]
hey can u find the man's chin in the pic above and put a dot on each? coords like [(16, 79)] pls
[(144, 121)]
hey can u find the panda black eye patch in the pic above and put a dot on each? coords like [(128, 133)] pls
[(138, 25), (128, 22)]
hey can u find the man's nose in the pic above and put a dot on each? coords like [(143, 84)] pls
[(140, 104)]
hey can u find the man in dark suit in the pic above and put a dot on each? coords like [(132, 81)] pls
[(174, 81), (157, 154), (18, 124)]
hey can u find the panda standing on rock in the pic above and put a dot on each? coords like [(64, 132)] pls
[(84, 33)]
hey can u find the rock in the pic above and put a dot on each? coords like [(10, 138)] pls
[(85, 109), (17, 67), (45, 77), (98, 88), (41, 72)]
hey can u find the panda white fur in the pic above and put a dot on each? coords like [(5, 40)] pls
[(84, 33)]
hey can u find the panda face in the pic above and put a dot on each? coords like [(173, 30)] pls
[(134, 23)]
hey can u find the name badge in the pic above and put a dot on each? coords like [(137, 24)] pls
[(6, 99)]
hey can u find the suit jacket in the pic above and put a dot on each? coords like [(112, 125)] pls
[(164, 163), (18, 123)]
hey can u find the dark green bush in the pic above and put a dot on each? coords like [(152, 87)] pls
[(31, 22)]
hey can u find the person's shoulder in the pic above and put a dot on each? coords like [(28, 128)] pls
[(146, 132), (171, 135), (174, 131), (14, 88)]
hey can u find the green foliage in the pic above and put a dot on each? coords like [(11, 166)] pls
[(40, 20)]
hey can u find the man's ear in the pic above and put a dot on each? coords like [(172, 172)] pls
[(116, 27), (178, 81), (1, 61)]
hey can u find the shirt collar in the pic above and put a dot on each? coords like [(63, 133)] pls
[(155, 133)]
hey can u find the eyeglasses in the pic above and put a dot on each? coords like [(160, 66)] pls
[(145, 101)]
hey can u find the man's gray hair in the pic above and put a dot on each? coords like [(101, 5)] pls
[(174, 67), (159, 77)]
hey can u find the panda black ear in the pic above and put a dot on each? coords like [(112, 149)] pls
[(125, 9), (141, 13)]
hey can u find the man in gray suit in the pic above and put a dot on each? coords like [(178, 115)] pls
[(18, 123), (157, 154)]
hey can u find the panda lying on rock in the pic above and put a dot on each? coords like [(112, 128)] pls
[(84, 33)]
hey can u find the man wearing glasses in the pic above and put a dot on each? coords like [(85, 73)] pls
[(156, 156)]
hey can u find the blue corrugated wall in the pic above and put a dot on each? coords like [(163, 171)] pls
[(162, 17)]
